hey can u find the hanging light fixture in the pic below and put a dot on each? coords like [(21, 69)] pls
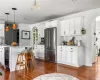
[(7, 27), (14, 25), (35, 6)]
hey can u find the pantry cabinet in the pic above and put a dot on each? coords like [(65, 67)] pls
[(70, 55), (39, 51), (71, 26)]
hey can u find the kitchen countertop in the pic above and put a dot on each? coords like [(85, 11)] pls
[(13, 46), (70, 45)]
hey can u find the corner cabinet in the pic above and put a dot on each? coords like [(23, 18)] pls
[(71, 26), (70, 55)]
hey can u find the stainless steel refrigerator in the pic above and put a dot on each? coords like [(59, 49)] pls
[(51, 44)]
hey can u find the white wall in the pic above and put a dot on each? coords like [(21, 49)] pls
[(26, 27)]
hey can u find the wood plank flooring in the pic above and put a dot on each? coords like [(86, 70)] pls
[(41, 67)]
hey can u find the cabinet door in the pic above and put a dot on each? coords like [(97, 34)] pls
[(63, 55), (72, 27), (59, 54), (78, 25), (42, 52), (39, 31), (53, 23), (66, 23), (37, 51), (47, 24), (74, 58), (2, 56), (62, 26), (68, 56)]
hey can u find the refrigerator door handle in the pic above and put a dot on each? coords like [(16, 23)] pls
[(49, 39)]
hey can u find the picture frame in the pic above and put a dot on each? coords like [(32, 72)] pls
[(25, 34)]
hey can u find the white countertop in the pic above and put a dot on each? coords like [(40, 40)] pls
[(13, 46), (70, 45)]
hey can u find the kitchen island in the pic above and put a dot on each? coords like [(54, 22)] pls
[(8, 55)]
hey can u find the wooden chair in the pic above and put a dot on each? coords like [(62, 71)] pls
[(29, 60), (21, 62)]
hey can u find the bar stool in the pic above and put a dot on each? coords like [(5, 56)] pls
[(21, 62), (29, 60)]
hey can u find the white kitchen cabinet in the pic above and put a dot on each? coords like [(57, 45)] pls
[(59, 54), (70, 55), (36, 51), (2, 55), (72, 27), (39, 51), (40, 28), (78, 25), (50, 24), (64, 27)]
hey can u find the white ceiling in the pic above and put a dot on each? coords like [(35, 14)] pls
[(48, 9)]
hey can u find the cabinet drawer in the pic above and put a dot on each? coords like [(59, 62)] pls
[(72, 48)]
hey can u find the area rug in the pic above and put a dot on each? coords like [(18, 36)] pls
[(55, 76)]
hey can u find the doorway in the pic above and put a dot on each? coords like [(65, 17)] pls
[(97, 39)]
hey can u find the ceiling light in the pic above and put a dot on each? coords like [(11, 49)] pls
[(35, 6), (7, 27), (14, 25)]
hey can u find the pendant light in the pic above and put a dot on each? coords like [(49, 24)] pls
[(14, 25), (7, 27)]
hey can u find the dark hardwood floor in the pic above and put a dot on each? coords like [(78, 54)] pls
[(41, 67)]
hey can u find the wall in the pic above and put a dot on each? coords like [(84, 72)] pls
[(26, 27)]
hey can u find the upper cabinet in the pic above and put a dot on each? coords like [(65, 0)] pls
[(64, 27), (71, 26), (41, 28), (78, 25), (51, 24)]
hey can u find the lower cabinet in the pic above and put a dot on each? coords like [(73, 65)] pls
[(2, 55), (39, 51), (69, 55)]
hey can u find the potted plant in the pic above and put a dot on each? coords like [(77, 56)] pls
[(0, 74)]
